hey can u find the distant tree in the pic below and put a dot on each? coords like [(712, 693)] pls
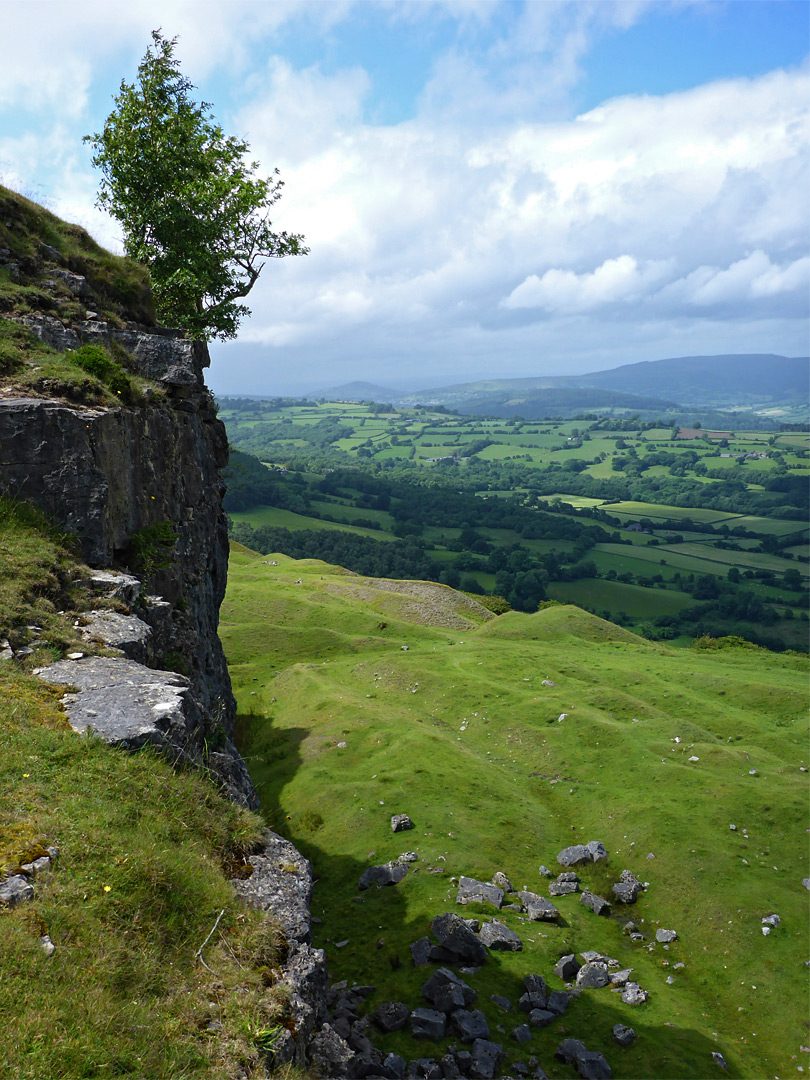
[(190, 203)]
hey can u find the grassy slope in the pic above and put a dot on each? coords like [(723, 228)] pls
[(140, 878), (322, 662)]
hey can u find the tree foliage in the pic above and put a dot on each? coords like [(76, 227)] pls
[(190, 202)]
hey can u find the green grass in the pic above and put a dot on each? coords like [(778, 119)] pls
[(137, 888), (287, 519), (637, 601), (322, 662)]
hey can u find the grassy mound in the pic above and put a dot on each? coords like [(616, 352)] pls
[(348, 718)]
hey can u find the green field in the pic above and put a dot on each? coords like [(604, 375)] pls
[(286, 519), (342, 728), (596, 594)]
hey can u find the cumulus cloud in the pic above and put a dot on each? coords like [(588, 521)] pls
[(616, 280)]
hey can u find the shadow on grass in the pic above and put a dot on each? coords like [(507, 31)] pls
[(367, 937)]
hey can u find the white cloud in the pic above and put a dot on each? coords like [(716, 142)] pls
[(745, 281), (616, 280)]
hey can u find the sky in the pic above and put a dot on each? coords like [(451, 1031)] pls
[(488, 188)]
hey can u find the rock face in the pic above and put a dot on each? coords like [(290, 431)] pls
[(108, 474)]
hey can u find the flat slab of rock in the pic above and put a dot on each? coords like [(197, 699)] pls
[(388, 874), (457, 938), (131, 635), (538, 908), (124, 702), (497, 935), (471, 891)]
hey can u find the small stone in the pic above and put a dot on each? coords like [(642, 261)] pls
[(545, 872), (522, 1033), (733, 828), (771, 920), (47, 945), (15, 890), (718, 1059), (400, 822)]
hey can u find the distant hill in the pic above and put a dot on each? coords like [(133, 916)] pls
[(737, 378), (744, 381), (357, 391), (560, 401)]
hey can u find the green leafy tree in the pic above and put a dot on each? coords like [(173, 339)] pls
[(190, 202)]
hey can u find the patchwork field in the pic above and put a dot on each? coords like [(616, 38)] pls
[(505, 739)]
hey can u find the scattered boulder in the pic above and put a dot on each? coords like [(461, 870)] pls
[(666, 936), (620, 978), (535, 984), (533, 999), (486, 1059), (420, 951), (394, 1067), (522, 1033), (389, 874), (471, 891), (623, 1035), (450, 1067), (457, 938), (771, 920), (538, 908), (589, 1064), (545, 872), (496, 935), (471, 1024), (502, 881), (424, 1068), (391, 1016), (574, 855), (567, 967), (330, 1054), (627, 887), (541, 1017), (401, 823), (428, 1024), (593, 975), (14, 890), (634, 995), (563, 888), (597, 905), (446, 991), (597, 850), (557, 1002), (502, 1002), (718, 1059)]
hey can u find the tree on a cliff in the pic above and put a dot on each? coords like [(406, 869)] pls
[(190, 202)]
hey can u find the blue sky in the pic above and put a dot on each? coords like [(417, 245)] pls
[(488, 187)]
